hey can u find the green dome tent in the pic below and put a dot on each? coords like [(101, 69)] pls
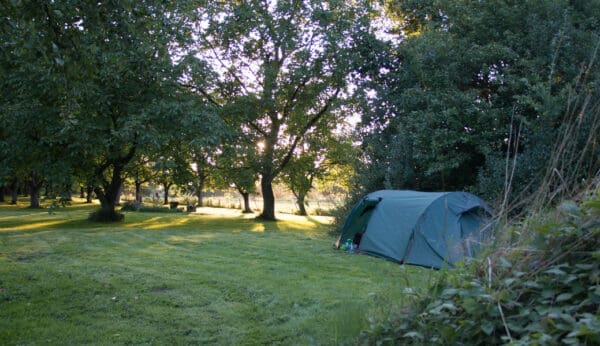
[(422, 228)]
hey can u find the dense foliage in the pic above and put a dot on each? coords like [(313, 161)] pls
[(542, 290), (475, 95)]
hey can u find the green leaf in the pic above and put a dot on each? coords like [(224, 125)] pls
[(413, 335), (555, 271), (563, 297), (449, 292), (548, 293), (532, 284), (503, 262), (487, 327)]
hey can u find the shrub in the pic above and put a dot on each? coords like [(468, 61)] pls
[(130, 206), (105, 215)]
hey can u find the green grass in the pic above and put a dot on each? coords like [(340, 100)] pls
[(181, 279)]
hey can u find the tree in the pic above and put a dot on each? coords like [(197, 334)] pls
[(235, 168), (32, 91), (107, 84), (140, 171), (202, 139), (171, 170), (282, 68), (299, 177), (203, 166), (321, 153)]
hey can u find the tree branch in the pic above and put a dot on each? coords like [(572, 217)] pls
[(290, 100), (218, 57), (257, 128), (301, 134), (203, 92)]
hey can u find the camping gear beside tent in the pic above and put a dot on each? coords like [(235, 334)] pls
[(423, 228)]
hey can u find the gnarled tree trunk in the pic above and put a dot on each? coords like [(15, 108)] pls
[(35, 186), (108, 192), (268, 212), (89, 194), (246, 209), (138, 192), (14, 192), (167, 187), (301, 205)]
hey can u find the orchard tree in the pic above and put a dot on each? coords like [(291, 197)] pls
[(32, 97), (236, 168), (203, 167), (140, 171), (202, 139), (107, 87), (300, 175), (172, 170), (282, 68), (317, 158)]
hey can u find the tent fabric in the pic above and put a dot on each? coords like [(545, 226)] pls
[(423, 228)]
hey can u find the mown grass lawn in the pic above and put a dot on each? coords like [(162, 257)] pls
[(187, 279)]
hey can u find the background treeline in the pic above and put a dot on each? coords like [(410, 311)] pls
[(186, 93), (452, 95)]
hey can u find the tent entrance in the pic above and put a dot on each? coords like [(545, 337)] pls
[(357, 221)]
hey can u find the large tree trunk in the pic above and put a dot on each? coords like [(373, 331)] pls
[(89, 194), (301, 207), (14, 191), (266, 185), (34, 191), (119, 193), (68, 194), (199, 189), (107, 198), (108, 194), (2, 189), (138, 192), (167, 187), (81, 192), (246, 197), (199, 183), (200, 196)]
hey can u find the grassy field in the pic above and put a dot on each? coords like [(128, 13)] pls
[(214, 277)]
